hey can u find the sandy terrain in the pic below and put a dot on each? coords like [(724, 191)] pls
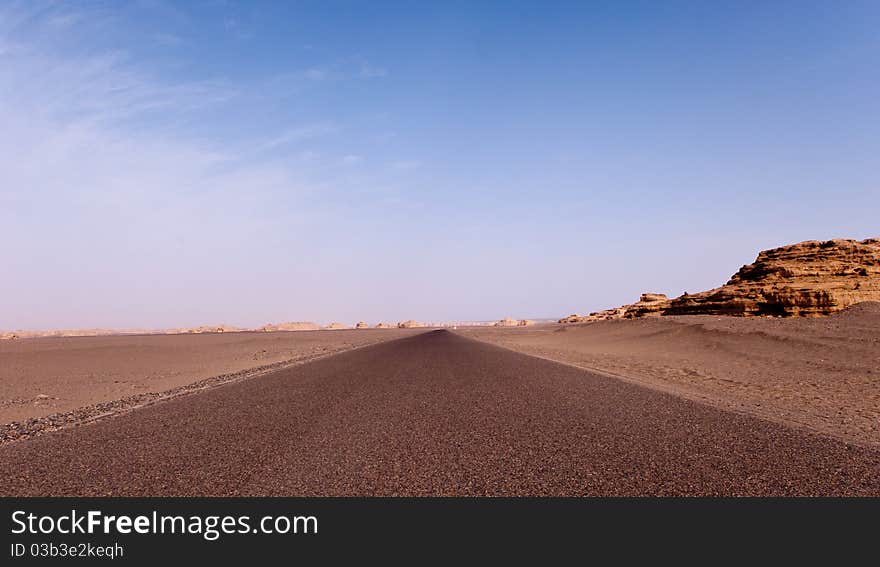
[(822, 374), (44, 376), (435, 415)]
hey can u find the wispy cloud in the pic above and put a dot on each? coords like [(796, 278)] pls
[(103, 88), (299, 134), (126, 184), (91, 148), (340, 71)]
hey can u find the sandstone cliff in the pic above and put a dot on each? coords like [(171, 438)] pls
[(807, 279)]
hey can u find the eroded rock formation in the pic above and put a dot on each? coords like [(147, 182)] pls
[(292, 326), (807, 279), (508, 322)]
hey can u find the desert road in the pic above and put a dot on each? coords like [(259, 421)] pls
[(434, 414)]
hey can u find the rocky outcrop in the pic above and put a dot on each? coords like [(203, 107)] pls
[(59, 333), (336, 326), (361, 325), (616, 313), (807, 279), (508, 322), (205, 329), (291, 326), (648, 305), (385, 326), (410, 324)]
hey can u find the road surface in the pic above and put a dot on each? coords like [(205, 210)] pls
[(434, 414)]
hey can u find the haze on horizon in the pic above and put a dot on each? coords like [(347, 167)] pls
[(172, 164)]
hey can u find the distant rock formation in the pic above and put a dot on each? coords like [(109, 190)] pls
[(385, 326), (205, 329), (649, 304), (361, 325), (291, 326), (218, 329), (335, 326), (807, 279), (23, 334), (508, 322), (65, 333), (616, 313), (410, 324)]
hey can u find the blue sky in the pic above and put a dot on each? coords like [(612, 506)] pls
[(181, 163)]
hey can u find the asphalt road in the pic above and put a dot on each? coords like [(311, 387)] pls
[(434, 414)]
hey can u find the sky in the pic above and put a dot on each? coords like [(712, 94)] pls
[(170, 164)]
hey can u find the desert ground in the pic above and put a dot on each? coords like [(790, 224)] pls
[(822, 374), (673, 405), (435, 414), (44, 376)]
